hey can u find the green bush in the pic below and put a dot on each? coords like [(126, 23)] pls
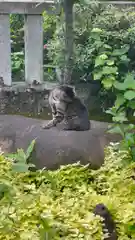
[(59, 204), (118, 29), (17, 44), (111, 42), (117, 24)]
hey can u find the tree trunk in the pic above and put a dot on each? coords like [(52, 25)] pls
[(69, 41)]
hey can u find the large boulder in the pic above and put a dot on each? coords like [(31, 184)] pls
[(54, 147)]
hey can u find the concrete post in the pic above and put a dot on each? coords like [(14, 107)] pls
[(33, 48), (5, 49)]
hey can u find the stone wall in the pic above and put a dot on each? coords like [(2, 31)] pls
[(32, 100)]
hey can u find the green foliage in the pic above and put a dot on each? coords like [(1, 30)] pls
[(17, 46), (17, 32), (123, 86), (96, 26), (115, 27), (17, 59), (32, 206), (127, 133), (21, 159), (107, 33), (49, 24)]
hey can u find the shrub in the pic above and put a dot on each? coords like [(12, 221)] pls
[(59, 204), (118, 27), (17, 44)]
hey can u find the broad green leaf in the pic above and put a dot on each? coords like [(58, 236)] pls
[(103, 56), (110, 70), (131, 104), (121, 51), (99, 62), (98, 43), (120, 86), (111, 111), (129, 95), (124, 146), (21, 157), (124, 58), (120, 100), (20, 167), (117, 130), (120, 117), (12, 156), (110, 62), (108, 82), (129, 81), (96, 30), (129, 138), (107, 46), (30, 149), (129, 127), (98, 75)]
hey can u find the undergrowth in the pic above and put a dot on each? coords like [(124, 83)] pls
[(58, 205)]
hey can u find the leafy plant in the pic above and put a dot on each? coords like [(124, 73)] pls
[(32, 207), (20, 159), (123, 87), (17, 61), (116, 26), (107, 68)]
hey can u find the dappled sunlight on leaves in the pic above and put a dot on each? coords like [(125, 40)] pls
[(59, 204)]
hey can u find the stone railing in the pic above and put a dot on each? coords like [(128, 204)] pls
[(33, 37)]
